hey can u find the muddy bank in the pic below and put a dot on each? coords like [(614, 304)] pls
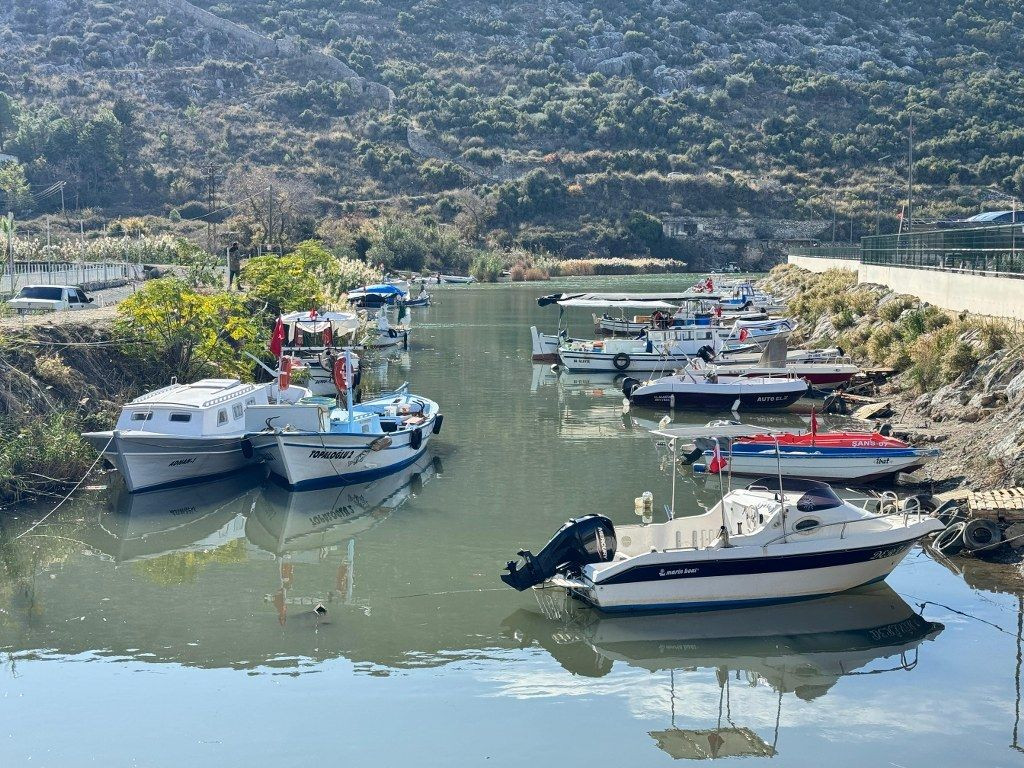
[(57, 380), (959, 379)]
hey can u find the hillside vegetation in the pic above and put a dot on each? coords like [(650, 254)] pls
[(543, 123)]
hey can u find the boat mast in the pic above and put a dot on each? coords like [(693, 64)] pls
[(348, 382)]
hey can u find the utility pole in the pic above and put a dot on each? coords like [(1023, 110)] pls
[(910, 174), (63, 210), (270, 217), (833, 217), (10, 247), (211, 205)]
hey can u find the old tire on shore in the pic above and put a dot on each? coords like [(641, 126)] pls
[(981, 535), (950, 541), (949, 512)]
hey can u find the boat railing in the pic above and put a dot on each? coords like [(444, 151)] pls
[(844, 524), (229, 396), (155, 393)]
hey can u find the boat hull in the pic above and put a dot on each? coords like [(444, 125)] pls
[(311, 459), (159, 461), (835, 465), (695, 582), (709, 396), (637, 362)]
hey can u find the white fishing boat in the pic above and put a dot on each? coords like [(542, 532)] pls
[(820, 370), (383, 334), (744, 295), (656, 351), (184, 432), (314, 443), (690, 388), (315, 340), (777, 540), (457, 279)]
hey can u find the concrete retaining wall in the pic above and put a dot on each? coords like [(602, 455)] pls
[(978, 294), (823, 265)]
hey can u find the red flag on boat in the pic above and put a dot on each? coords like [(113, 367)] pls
[(709, 285), (717, 463), (744, 334), (328, 335), (277, 339)]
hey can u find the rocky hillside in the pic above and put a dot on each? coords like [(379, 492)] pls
[(549, 111), (960, 381)]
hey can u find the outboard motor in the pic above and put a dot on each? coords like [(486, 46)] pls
[(628, 385), (706, 353), (582, 540)]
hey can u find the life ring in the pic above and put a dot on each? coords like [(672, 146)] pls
[(338, 374), (621, 361), (951, 540), (416, 439), (284, 377), (981, 534)]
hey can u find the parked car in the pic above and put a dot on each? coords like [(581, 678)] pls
[(49, 298)]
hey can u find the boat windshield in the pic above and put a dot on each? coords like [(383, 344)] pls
[(814, 495), (818, 499)]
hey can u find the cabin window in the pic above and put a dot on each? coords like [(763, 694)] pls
[(705, 335), (142, 416), (251, 401), (236, 410), (222, 416), (807, 525), (181, 417)]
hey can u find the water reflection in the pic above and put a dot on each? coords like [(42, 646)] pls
[(802, 649)]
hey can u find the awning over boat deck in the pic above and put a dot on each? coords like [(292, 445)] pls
[(307, 322), (624, 299), (687, 744), (601, 304), (723, 430)]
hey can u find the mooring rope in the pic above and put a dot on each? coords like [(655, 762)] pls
[(67, 496)]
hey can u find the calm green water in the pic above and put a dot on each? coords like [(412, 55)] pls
[(178, 628)]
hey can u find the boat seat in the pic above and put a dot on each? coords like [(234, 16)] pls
[(413, 420)]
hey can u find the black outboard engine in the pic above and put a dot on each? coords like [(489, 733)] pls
[(582, 540), (706, 353)]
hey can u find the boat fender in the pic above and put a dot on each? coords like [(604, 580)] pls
[(392, 333), (416, 439), (981, 535), (621, 361), (247, 450), (381, 443), (340, 382), (885, 430), (438, 420), (950, 541)]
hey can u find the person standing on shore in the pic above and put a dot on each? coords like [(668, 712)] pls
[(234, 263)]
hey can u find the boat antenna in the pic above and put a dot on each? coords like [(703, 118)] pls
[(675, 470), (721, 489), (782, 495), (348, 382)]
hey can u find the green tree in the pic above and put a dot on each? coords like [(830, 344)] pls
[(189, 334), (15, 193), (8, 118)]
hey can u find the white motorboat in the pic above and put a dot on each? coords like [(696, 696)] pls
[(184, 432), (383, 334), (813, 366), (656, 351), (313, 443), (744, 295), (777, 540), (690, 388)]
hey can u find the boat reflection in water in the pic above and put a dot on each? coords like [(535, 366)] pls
[(198, 517), (309, 526), (801, 648)]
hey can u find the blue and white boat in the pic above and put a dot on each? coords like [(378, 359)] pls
[(314, 443), (777, 540)]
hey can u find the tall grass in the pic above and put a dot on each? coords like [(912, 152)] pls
[(149, 249)]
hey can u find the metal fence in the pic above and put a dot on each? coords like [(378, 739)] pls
[(851, 252), (994, 250), (84, 274)]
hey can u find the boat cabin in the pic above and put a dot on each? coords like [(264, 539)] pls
[(208, 407)]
